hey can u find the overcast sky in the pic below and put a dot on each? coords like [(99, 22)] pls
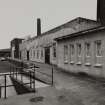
[(18, 17)]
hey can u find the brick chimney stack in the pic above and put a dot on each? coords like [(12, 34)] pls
[(38, 27), (101, 11)]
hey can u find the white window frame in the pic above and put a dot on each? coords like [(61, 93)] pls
[(66, 53), (87, 51), (71, 52), (79, 54), (96, 48)]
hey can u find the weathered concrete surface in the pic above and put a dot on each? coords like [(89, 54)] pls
[(81, 90), (46, 96), (91, 92)]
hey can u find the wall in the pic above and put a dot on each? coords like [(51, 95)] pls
[(94, 68)]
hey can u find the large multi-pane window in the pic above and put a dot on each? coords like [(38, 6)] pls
[(72, 50), (65, 53), (87, 48), (79, 48), (98, 49), (71, 53)]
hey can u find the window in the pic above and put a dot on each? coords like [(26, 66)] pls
[(72, 50), (79, 49), (65, 53), (87, 48), (98, 48), (41, 53), (54, 50), (37, 54), (34, 53)]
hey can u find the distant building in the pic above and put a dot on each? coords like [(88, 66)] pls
[(77, 46), (5, 52), (15, 53)]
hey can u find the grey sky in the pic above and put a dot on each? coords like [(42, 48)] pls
[(18, 17)]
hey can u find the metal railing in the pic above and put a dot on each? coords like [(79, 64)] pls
[(15, 71)]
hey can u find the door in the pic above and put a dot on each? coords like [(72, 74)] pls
[(47, 55), (27, 55)]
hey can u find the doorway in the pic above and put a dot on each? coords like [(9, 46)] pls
[(47, 55), (27, 55)]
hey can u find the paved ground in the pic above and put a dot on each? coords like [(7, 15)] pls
[(44, 96), (89, 91), (85, 90)]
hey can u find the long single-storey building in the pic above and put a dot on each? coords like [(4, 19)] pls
[(83, 51), (42, 48), (77, 46)]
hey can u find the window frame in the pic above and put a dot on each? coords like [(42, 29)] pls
[(79, 48), (98, 53), (87, 51), (66, 53)]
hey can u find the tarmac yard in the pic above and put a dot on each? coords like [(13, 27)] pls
[(68, 89)]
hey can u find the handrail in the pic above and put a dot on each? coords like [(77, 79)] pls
[(32, 69)]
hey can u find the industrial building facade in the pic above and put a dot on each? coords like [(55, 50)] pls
[(77, 46), (83, 52)]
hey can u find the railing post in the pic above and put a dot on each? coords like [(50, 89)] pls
[(52, 76), (21, 76), (13, 71), (0, 91), (16, 73), (30, 80), (5, 86), (10, 70), (34, 78)]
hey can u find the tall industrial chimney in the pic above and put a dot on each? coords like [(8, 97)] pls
[(101, 11), (38, 27)]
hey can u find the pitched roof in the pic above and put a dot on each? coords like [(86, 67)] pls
[(74, 26)]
